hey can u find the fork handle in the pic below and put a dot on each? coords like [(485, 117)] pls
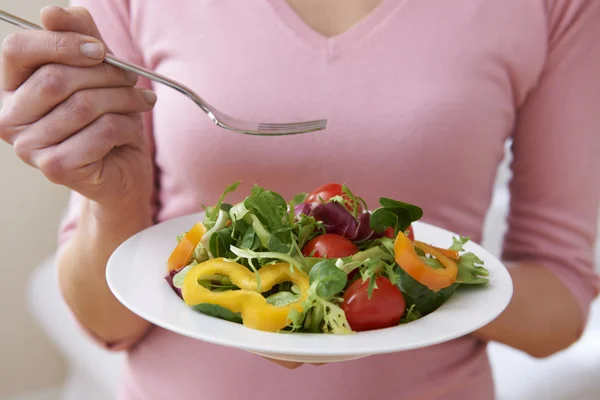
[(112, 60)]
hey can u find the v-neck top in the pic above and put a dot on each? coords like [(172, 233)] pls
[(421, 97)]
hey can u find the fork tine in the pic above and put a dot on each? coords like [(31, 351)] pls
[(293, 126)]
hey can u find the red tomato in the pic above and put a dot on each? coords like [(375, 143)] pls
[(389, 232), (326, 192), (384, 309), (329, 245)]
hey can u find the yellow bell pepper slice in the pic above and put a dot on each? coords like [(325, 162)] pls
[(255, 311)]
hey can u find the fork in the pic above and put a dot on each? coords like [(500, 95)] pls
[(219, 118)]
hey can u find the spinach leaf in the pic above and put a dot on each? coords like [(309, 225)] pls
[(425, 300), (327, 279), (383, 218), (415, 212), (220, 243), (269, 207), (395, 214), (249, 240), (277, 246), (281, 299), (217, 311)]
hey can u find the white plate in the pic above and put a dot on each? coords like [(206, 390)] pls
[(136, 270)]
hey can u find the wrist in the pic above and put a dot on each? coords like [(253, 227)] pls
[(125, 213), (114, 225)]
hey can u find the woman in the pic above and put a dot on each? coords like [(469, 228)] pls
[(420, 97)]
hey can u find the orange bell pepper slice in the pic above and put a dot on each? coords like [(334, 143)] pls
[(408, 259), (453, 254), (180, 257)]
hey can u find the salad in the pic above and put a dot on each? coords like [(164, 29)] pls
[(319, 263)]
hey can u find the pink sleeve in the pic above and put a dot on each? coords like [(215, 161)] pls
[(555, 189), (113, 21)]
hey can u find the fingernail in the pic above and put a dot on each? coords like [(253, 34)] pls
[(131, 76), (93, 50), (150, 96)]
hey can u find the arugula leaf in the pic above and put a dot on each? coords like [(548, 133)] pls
[(355, 202), (217, 311), (457, 244), (212, 213), (282, 299), (327, 279), (410, 315), (471, 270), (307, 228)]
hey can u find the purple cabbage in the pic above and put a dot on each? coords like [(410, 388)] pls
[(169, 279), (338, 220)]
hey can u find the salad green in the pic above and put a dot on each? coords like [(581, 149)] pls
[(319, 263)]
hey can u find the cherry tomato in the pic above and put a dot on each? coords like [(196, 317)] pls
[(384, 309), (326, 192), (389, 232), (329, 245)]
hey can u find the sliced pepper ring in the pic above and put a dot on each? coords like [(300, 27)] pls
[(408, 259), (255, 311)]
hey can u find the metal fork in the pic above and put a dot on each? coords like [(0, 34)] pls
[(219, 118)]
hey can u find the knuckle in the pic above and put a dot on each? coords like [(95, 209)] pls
[(59, 43), (53, 167), (22, 149), (109, 126), (80, 105), (13, 46), (51, 80)]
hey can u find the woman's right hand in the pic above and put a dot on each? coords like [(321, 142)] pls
[(73, 117)]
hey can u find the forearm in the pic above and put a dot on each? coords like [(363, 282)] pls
[(81, 270), (542, 318)]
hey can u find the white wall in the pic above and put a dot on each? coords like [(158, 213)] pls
[(29, 212)]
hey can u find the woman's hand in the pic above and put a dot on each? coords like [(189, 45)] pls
[(78, 120), (73, 117)]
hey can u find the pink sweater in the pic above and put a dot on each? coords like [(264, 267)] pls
[(421, 97)]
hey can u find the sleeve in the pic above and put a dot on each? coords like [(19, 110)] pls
[(555, 186), (113, 21)]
